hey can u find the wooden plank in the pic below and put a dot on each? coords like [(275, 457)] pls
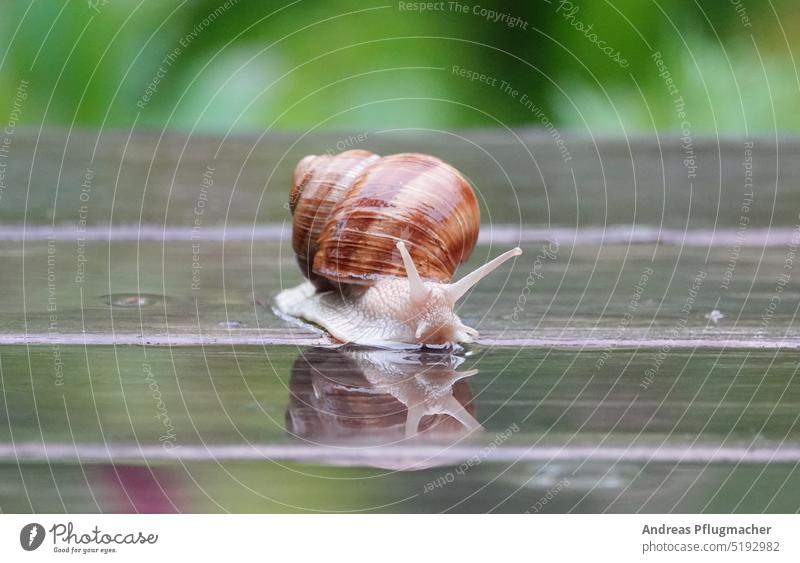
[(583, 296), (521, 177), (564, 397)]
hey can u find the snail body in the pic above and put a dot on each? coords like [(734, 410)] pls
[(379, 239)]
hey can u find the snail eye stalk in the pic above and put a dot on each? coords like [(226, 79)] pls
[(415, 288), (456, 290)]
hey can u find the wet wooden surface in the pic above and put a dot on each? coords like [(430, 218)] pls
[(589, 293), (640, 356), (282, 428)]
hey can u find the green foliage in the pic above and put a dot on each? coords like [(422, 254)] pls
[(344, 64)]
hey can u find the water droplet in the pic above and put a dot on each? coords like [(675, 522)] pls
[(715, 316), (132, 300)]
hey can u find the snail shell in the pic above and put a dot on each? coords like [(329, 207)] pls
[(318, 183), (379, 239), (350, 210)]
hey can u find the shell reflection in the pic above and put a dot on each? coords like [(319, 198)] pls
[(379, 396)]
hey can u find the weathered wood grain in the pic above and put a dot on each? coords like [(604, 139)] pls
[(520, 176)]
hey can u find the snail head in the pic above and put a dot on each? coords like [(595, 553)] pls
[(431, 303)]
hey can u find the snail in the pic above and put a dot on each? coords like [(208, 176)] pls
[(378, 240)]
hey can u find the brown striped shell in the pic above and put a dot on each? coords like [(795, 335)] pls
[(317, 184), (351, 209)]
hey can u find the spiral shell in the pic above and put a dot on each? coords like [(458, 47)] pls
[(317, 184), (350, 210)]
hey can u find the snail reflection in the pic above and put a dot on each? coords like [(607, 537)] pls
[(379, 396)]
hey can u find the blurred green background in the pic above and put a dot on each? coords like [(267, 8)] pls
[(333, 64)]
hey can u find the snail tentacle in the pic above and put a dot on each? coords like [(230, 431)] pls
[(458, 289), (416, 290)]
